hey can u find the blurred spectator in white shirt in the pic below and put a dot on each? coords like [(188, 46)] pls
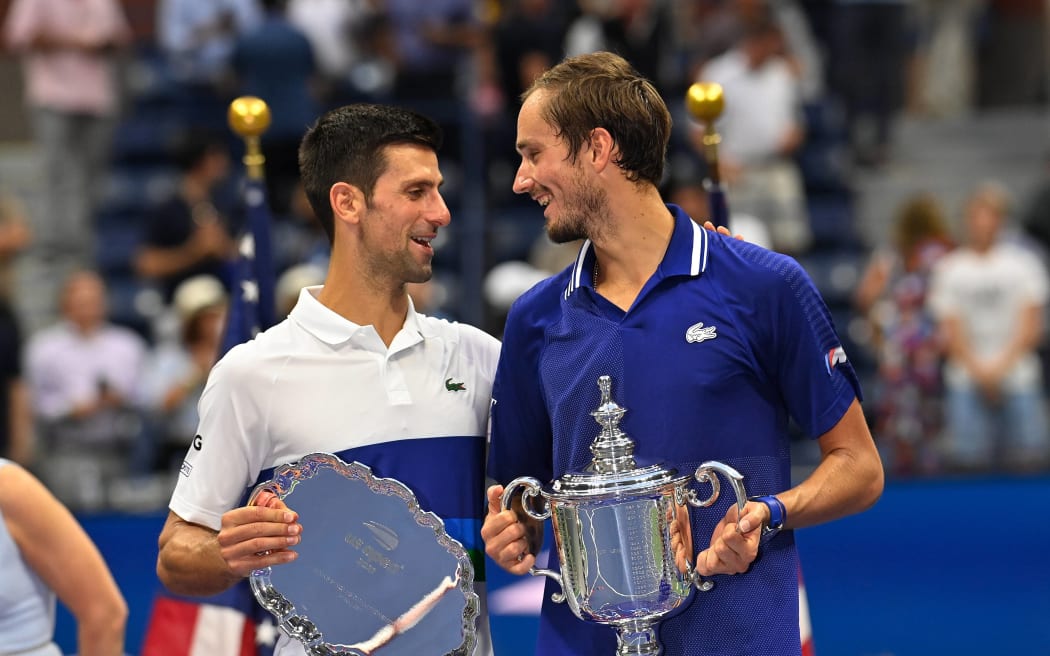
[(82, 374)]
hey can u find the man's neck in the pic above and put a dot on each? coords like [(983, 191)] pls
[(362, 303), (631, 250)]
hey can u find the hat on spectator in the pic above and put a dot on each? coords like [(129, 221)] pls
[(197, 293)]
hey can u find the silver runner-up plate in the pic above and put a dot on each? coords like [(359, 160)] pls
[(376, 574)]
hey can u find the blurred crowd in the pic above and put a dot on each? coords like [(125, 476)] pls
[(138, 227)]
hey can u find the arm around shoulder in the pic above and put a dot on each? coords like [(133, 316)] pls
[(56, 547)]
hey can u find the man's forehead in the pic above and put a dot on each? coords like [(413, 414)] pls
[(410, 160), (534, 132)]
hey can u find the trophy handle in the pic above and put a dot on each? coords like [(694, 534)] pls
[(705, 473), (528, 495), (532, 489)]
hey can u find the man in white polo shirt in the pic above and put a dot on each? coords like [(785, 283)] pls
[(353, 370)]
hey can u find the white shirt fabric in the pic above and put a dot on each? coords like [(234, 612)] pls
[(317, 382), (27, 605), (988, 292), (761, 105)]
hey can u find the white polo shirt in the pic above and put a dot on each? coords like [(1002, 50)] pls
[(316, 382)]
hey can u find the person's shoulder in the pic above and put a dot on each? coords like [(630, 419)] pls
[(14, 481), (465, 334), (742, 261), (249, 359)]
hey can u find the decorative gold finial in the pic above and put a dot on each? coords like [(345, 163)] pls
[(705, 101), (249, 117)]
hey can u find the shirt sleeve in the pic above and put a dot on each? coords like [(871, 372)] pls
[(520, 440), (226, 454), (817, 380)]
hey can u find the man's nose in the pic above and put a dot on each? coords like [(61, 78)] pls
[(442, 216), (522, 182)]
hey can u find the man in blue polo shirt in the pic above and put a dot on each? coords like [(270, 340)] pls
[(713, 345)]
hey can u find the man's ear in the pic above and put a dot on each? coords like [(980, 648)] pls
[(347, 201), (602, 147)]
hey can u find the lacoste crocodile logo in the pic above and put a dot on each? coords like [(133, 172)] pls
[(698, 332), (454, 387)]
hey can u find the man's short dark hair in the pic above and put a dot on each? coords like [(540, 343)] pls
[(347, 144)]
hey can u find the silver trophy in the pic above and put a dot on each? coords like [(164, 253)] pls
[(623, 534)]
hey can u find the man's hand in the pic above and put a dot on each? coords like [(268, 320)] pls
[(506, 536), (722, 230), (734, 546), (259, 536)]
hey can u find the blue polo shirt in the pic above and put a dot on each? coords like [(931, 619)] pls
[(725, 344)]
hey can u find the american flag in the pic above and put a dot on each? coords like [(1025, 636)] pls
[(252, 306), (231, 623)]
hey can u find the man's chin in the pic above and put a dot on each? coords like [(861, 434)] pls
[(562, 235)]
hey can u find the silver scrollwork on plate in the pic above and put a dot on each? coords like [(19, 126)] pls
[(375, 573)]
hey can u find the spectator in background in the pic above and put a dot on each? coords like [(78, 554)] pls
[(528, 39), (634, 29), (892, 295), (45, 553), (761, 129), (1012, 53), (352, 43), (869, 48), (275, 62), (69, 54), (83, 373), (943, 66), (434, 40), (298, 237), (196, 38), (712, 28), (16, 435), (175, 371), (989, 296), (192, 232)]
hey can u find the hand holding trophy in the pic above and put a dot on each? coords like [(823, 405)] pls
[(623, 534), (374, 570)]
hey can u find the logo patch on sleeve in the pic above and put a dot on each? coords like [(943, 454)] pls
[(834, 357)]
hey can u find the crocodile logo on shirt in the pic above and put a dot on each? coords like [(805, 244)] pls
[(454, 387), (698, 332)]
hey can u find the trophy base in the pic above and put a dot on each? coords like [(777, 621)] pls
[(637, 638)]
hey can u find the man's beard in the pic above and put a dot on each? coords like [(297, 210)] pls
[(584, 214), (399, 265)]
